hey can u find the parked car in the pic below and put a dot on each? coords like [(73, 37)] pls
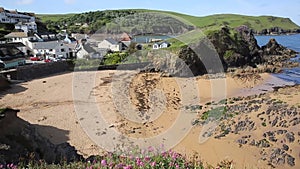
[(35, 58), (47, 60)]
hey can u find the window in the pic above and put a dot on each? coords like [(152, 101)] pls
[(62, 50), (50, 50)]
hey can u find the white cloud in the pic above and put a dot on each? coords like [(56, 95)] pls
[(25, 2), (70, 1)]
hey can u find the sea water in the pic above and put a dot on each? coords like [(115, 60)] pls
[(292, 42)]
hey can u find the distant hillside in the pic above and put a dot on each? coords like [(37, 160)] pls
[(92, 21)]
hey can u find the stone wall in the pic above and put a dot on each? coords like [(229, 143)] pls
[(34, 71)]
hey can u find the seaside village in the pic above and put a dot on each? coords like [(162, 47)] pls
[(26, 45)]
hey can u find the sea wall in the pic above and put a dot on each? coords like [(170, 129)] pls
[(34, 71)]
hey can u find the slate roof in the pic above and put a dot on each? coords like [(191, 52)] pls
[(46, 45), (112, 41), (8, 52), (17, 44)]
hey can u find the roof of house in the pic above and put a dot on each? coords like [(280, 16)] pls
[(126, 37), (88, 48), (13, 11), (17, 44), (111, 41), (160, 43), (71, 45), (46, 45), (16, 35), (8, 52)]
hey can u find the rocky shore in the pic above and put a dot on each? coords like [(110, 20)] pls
[(269, 122)]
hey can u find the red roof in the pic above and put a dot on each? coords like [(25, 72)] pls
[(125, 37)]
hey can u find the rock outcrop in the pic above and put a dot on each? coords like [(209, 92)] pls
[(238, 47), (20, 141), (274, 48)]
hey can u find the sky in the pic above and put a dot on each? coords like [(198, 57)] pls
[(288, 9)]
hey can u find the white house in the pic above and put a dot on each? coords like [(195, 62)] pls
[(51, 48), (14, 16), (165, 45), (15, 37), (110, 44), (156, 46), (26, 27), (161, 45)]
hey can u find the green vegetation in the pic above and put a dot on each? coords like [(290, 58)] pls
[(115, 58), (96, 20), (5, 29), (53, 17), (214, 114), (2, 110), (228, 54)]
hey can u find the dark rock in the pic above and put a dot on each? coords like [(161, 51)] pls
[(285, 147), (273, 48), (242, 141), (281, 131), (290, 137), (274, 122), (290, 160)]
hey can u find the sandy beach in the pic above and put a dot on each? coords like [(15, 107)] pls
[(55, 101)]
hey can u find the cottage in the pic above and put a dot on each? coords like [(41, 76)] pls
[(165, 45), (111, 45), (161, 45)]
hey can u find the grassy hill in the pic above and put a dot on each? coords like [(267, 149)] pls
[(53, 17), (234, 20), (257, 23)]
